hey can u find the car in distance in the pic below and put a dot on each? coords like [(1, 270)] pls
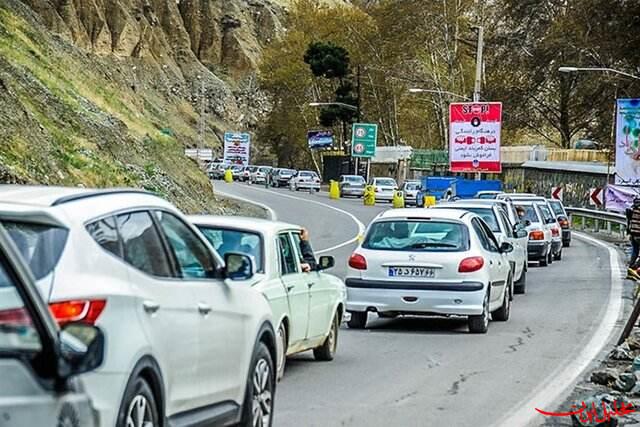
[(246, 173), (563, 219), (411, 190), (281, 177), (351, 185), (539, 245), (497, 220), (551, 222), (259, 176), (184, 338), (384, 188), (237, 171), (430, 262), (307, 307), (40, 363), (305, 180)]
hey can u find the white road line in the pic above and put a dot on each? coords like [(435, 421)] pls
[(547, 394), (361, 226), (272, 214)]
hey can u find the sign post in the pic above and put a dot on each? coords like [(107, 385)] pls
[(595, 197), (474, 137), (364, 139), (237, 147), (556, 193)]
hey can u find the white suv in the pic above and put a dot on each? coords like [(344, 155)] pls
[(183, 342), (430, 262)]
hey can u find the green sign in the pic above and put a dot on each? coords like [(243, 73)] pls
[(363, 140)]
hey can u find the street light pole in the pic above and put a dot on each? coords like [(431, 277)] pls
[(478, 82), (600, 69)]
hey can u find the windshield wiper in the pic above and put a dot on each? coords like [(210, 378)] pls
[(423, 245)]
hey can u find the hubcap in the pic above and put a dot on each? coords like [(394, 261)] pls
[(282, 342), (139, 413), (332, 337), (262, 398)]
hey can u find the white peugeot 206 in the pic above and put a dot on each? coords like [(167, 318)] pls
[(430, 262), (307, 306)]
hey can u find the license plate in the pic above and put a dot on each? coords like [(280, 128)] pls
[(412, 272)]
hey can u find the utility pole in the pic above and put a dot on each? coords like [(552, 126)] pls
[(478, 83), (357, 115), (202, 116)]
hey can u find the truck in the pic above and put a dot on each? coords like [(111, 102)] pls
[(448, 187)]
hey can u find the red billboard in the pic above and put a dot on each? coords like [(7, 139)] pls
[(474, 137)]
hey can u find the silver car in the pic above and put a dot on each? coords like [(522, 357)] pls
[(39, 363), (411, 190), (384, 188), (352, 185)]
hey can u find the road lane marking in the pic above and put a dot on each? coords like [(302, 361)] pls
[(272, 214), (554, 387), (361, 226)]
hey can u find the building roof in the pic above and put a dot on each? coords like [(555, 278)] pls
[(582, 167)]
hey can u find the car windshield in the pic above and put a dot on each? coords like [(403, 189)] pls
[(417, 236), (263, 170), (226, 240), (286, 172), (488, 215), (557, 208), (41, 246), (385, 181), (487, 196), (530, 213), (354, 179), (412, 186), (237, 168)]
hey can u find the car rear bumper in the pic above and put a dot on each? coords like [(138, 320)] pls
[(463, 298), (308, 185), (349, 191), (537, 250), (566, 235), (384, 196)]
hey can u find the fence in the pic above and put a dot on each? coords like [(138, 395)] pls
[(598, 221)]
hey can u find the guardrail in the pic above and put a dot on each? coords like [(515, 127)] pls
[(597, 221)]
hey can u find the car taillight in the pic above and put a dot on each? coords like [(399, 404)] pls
[(555, 232), (358, 262), (469, 265), (86, 311), (536, 235)]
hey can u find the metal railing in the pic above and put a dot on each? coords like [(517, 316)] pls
[(597, 221)]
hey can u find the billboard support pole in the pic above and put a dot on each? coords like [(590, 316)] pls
[(356, 167)]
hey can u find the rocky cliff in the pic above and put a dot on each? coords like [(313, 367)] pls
[(109, 92)]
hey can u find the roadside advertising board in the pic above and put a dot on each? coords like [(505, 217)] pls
[(320, 139), (364, 138), (628, 142), (237, 147), (474, 137)]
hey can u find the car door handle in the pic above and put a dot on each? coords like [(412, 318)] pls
[(204, 309), (150, 306)]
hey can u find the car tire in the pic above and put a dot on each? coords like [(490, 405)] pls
[(480, 324), (262, 374), (327, 351), (502, 314), (550, 258), (138, 398), (281, 362), (521, 284), (544, 261), (566, 243), (558, 256), (358, 320)]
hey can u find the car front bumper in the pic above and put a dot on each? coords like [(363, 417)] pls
[(463, 298), (537, 250)]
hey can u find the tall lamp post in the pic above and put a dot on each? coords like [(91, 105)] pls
[(603, 70)]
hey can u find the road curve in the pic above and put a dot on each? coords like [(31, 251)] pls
[(430, 371)]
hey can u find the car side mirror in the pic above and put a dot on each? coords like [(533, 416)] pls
[(326, 262), (521, 233), (81, 349), (238, 266), (506, 247)]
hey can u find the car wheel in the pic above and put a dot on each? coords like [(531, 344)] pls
[(558, 256), (521, 284), (327, 350), (480, 324), (566, 243), (550, 258), (258, 401), (139, 407), (544, 261), (358, 320), (502, 314), (282, 352)]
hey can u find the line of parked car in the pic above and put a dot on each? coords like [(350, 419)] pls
[(162, 319), (275, 177)]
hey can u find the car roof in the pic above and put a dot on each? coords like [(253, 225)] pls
[(463, 205), (421, 213), (484, 202), (48, 196), (257, 225)]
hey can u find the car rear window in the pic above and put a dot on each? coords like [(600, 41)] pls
[(354, 179), (417, 236), (385, 181), (557, 208), (529, 213), (488, 215), (227, 240), (41, 246), (412, 186)]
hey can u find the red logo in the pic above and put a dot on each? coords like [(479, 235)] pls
[(590, 415)]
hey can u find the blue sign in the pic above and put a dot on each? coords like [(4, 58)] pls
[(320, 138)]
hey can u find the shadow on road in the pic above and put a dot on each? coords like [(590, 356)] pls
[(417, 325)]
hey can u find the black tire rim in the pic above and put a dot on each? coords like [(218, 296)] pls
[(139, 412), (262, 403)]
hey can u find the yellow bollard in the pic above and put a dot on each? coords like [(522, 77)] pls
[(228, 176), (334, 190), (398, 199), (369, 197), (429, 201)]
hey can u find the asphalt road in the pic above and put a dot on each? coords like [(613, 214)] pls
[(430, 371)]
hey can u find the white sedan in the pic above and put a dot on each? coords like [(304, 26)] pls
[(430, 262), (307, 307)]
